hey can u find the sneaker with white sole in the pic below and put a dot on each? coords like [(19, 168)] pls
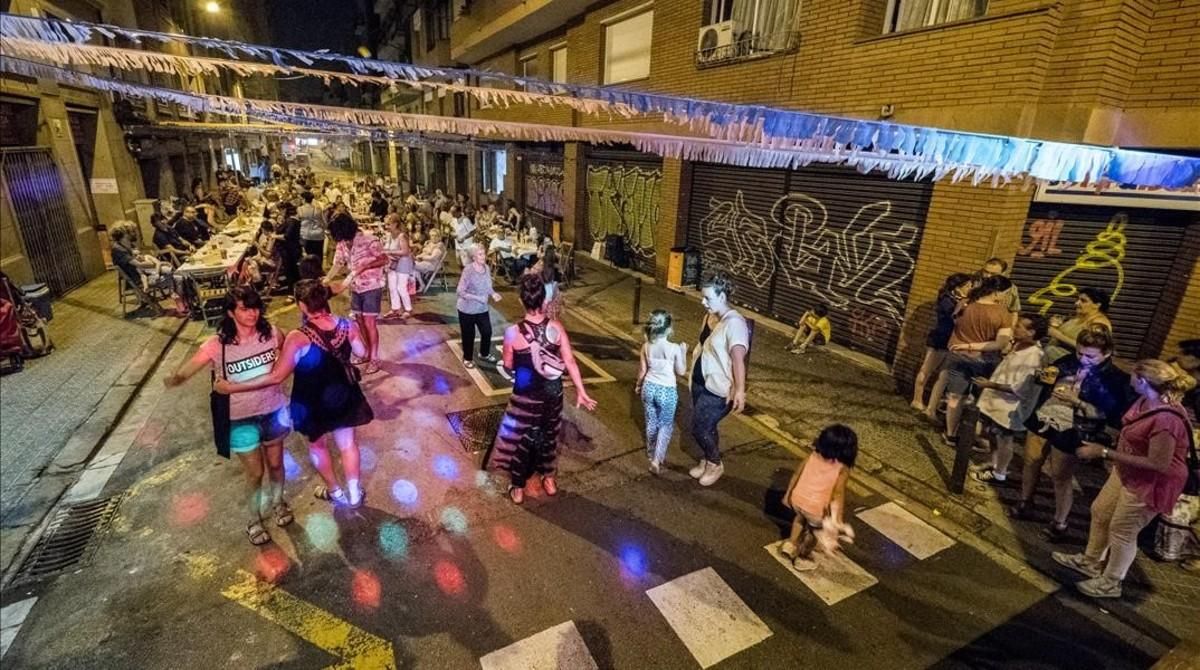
[(802, 564), (712, 474), (1078, 562), (655, 467), (1100, 587), (698, 471)]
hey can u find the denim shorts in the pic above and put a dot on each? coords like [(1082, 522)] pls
[(367, 302), (961, 369), (245, 435)]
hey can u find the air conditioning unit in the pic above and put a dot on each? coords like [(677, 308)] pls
[(713, 42)]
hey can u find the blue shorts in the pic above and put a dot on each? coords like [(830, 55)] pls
[(245, 435), (367, 303)]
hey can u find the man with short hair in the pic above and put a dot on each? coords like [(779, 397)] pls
[(999, 266), (363, 254), (168, 242), (190, 227)]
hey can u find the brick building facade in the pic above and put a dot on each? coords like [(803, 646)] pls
[(1107, 72)]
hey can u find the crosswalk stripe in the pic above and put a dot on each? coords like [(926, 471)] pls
[(559, 647), (905, 529), (835, 578), (710, 619)]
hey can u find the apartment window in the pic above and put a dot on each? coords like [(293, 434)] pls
[(558, 64), (627, 48), (495, 167), (742, 29), (912, 14), (529, 66)]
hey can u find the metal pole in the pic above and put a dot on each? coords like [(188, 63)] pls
[(964, 440), (637, 300)]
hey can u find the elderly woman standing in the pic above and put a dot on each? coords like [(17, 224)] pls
[(1091, 307), (1149, 473), (474, 290)]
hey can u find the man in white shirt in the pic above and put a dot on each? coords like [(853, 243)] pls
[(463, 230), (718, 373)]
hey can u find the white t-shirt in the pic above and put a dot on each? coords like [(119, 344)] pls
[(716, 356), (1019, 370)]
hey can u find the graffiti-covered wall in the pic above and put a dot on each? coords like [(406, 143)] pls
[(793, 239), (544, 187), (623, 199), (1130, 253)]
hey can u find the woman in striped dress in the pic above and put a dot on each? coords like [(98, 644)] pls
[(537, 352)]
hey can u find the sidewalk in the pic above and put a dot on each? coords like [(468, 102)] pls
[(57, 411), (799, 395)]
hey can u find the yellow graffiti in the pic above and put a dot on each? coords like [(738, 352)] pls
[(1107, 250)]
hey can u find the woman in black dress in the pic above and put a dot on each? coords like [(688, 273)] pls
[(537, 352), (326, 397)]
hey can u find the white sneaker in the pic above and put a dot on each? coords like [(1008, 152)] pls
[(712, 474), (655, 467), (698, 471)]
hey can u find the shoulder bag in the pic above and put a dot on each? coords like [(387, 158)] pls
[(218, 404)]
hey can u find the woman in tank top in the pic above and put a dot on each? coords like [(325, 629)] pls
[(661, 361), (245, 349)]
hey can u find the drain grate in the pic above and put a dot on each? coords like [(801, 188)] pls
[(69, 540), (476, 428)]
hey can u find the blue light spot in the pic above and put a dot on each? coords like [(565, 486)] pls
[(367, 458), (440, 385), (454, 520), (445, 467), (393, 540), (405, 492), (633, 561), (291, 469), (523, 377)]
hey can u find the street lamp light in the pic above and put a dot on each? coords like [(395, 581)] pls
[(212, 7)]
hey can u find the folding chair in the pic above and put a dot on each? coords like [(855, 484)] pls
[(208, 291), (438, 272), (130, 291), (567, 256)]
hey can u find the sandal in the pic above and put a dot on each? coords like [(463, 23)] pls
[(468, 365), (516, 494), (257, 534), (989, 477), (1022, 511), (337, 497), (549, 485), (283, 514)]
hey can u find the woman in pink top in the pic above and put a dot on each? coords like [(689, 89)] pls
[(1149, 474), (246, 347), (817, 491)]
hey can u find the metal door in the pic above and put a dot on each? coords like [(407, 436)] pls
[(623, 198), (35, 189)]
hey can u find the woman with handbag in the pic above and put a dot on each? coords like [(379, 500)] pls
[(251, 425), (326, 396), (537, 351), (1150, 470)]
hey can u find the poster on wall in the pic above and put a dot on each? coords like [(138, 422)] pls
[(104, 185)]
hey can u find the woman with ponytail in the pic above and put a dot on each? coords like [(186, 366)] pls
[(661, 361), (1150, 471)]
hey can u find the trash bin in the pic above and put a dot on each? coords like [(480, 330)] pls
[(683, 268), (38, 296)]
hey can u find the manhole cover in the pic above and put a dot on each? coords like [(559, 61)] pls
[(69, 540), (476, 428)]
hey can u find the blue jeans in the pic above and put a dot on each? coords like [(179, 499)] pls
[(707, 411), (660, 403)]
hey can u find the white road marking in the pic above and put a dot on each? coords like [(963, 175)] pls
[(11, 618), (557, 648), (905, 529), (710, 619), (835, 578)]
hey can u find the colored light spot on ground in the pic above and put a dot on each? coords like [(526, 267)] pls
[(405, 492), (322, 531), (367, 459), (188, 509), (506, 538), (272, 565), (299, 412), (523, 377), (454, 520), (365, 589), (291, 468), (633, 562), (393, 540), (449, 578), (445, 467), (441, 385), (284, 416)]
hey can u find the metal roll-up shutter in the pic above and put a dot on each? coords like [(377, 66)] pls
[(543, 188), (1128, 252), (730, 223), (850, 241), (624, 192)]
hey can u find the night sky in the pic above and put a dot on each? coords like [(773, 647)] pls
[(313, 25)]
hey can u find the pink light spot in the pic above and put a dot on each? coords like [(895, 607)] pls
[(365, 589), (506, 538), (272, 565), (449, 578), (188, 509)]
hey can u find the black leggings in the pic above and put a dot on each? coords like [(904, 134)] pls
[(467, 323)]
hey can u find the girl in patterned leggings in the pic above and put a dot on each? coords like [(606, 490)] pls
[(661, 361)]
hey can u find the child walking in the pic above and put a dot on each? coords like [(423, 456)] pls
[(1009, 396), (817, 493), (661, 361)]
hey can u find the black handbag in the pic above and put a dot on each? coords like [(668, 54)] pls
[(218, 404)]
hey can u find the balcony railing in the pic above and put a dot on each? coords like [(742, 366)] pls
[(750, 47)]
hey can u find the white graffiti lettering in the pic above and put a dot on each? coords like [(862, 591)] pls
[(624, 200)]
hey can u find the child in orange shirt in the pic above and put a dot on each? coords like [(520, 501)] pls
[(817, 493)]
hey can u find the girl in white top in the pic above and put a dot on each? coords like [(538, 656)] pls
[(661, 361)]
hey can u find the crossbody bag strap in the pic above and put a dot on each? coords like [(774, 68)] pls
[(1193, 458)]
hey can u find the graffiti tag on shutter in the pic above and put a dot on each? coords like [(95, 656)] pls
[(544, 188), (1101, 258), (1043, 239), (624, 200)]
